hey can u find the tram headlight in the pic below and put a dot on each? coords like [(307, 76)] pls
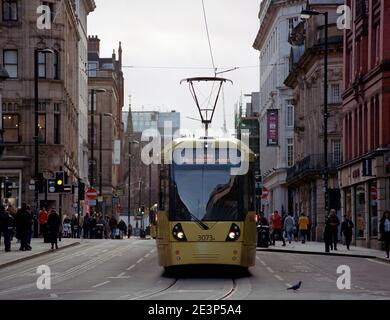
[(234, 233), (178, 233)]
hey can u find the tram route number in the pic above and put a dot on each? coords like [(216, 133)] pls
[(207, 237)]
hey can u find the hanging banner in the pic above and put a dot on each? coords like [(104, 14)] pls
[(272, 128), (117, 153)]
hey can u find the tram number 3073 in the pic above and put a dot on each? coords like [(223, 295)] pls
[(207, 237)]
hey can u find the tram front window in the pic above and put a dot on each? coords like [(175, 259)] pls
[(208, 193)]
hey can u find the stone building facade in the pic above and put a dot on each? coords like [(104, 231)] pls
[(58, 97), (108, 141), (305, 178), (365, 175), (277, 19)]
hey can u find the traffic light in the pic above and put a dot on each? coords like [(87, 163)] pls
[(8, 189), (142, 211), (56, 185)]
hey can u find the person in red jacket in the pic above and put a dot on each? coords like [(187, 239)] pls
[(42, 218), (276, 222)]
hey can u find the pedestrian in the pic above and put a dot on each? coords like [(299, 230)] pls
[(276, 221), (334, 223), (31, 225), (42, 218), (53, 225), (385, 231), (122, 228), (7, 222), (113, 226), (289, 226), (75, 226), (23, 224), (86, 226), (129, 230), (303, 227), (347, 230)]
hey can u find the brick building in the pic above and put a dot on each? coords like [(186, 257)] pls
[(58, 97), (365, 175), (108, 142)]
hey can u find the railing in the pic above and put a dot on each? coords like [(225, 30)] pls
[(313, 164)]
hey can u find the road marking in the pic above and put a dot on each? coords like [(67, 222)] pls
[(288, 285), (131, 267), (279, 278), (140, 260), (379, 262), (121, 275), (53, 296), (147, 255), (153, 251), (261, 261), (101, 284), (270, 270)]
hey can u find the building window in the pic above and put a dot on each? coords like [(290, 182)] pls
[(92, 69), (57, 128), (11, 128), (373, 209), (56, 66), (11, 63), (42, 128), (335, 95), (290, 114), (10, 10), (290, 152), (41, 65), (337, 152)]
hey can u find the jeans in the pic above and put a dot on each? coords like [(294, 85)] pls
[(290, 235), (303, 234)]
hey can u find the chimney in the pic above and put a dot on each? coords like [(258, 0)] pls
[(94, 44)]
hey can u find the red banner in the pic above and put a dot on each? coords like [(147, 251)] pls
[(272, 128)]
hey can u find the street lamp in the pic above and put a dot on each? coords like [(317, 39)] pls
[(101, 154), (36, 137), (129, 186), (306, 14), (92, 161)]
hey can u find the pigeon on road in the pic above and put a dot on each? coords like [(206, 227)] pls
[(296, 287)]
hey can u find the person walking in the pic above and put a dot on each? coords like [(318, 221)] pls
[(7, 222), (289, 226), (129, 230), (276, 222), (86, 226), (334, 223), (385, 231), (303, 227), (113, 226), (23, 224), (347, 230), (42, 218), (53, 225)]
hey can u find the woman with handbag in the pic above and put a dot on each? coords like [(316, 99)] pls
[(385, 231)]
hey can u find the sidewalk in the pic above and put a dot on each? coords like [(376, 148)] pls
[(38, 249), (318, 248)]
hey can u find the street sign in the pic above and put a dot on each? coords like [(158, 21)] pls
[(91, 194), (92, 203)]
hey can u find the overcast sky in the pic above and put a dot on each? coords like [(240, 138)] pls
[(171, 33)]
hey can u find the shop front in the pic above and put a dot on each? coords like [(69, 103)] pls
[(365, 197)]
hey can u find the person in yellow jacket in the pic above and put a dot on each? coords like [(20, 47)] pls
[(303, 227)]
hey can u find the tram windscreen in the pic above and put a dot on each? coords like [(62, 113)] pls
[(208, 193)]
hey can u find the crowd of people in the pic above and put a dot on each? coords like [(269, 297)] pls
[(19, 224), (298, 228)]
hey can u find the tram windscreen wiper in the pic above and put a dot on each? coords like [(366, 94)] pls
[(202, 224)]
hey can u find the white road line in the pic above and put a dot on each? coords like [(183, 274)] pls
[(279, 278), (379, 262), (153, 251), (261, 261), (131, 267), (121, 275), (140, 260), (53, 296), (147, 255), (101, 284), (270, 270)]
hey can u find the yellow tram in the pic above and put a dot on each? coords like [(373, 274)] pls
[(206, 211)]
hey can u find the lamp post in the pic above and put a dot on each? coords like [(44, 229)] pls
[(36, 137), (129, 186), (101, 115), (92, 161), (3, 76), (306, 14)]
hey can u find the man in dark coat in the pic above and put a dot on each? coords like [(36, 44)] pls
[(7, 222), (53, 223), (113, 225), (23, 226), (347, 229)]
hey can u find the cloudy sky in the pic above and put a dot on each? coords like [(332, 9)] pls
[(171, 33)]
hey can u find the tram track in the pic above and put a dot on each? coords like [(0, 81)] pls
[(155, 293), (231, 292)]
